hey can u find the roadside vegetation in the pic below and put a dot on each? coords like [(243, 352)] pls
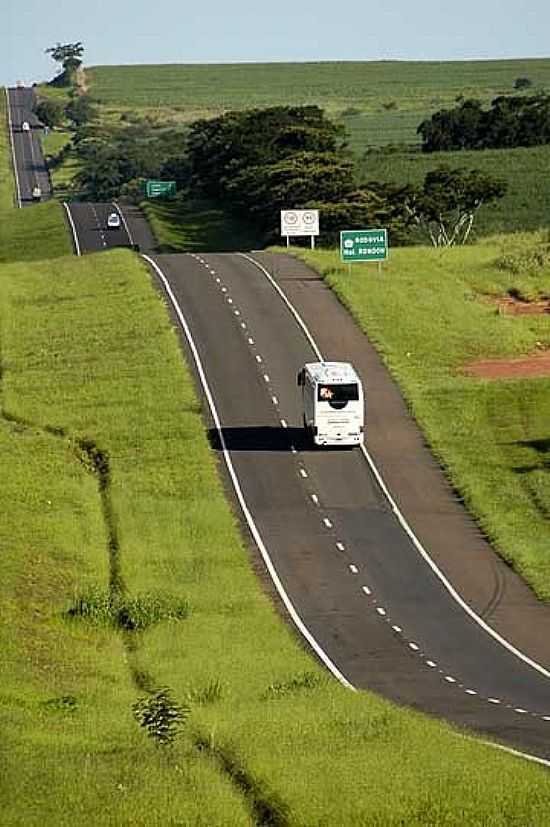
[(124, 577), (430, 313)]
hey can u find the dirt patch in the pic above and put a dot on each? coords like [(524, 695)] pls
[(525, 367), (512, 306)]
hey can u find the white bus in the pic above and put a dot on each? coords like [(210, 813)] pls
[(333, 403)]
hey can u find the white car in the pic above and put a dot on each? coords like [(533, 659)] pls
[(25, 126), (113, 221)]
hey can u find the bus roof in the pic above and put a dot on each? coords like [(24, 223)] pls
[(332, 373)]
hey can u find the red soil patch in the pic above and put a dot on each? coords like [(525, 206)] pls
[(526, 367)]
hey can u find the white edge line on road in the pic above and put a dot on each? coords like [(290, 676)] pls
[(126, 227), (517, 753), (73, 228), (400, 517), (248, 516), (10, 129)]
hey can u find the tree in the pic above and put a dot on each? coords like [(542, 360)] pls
[(512, 120), (49, 111), (222, 148), (446, 206), (522, 83), (80, 110), (69, 56)]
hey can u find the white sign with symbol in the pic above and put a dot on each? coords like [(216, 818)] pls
[(299, 222)]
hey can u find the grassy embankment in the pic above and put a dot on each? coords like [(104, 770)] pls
[(123, 573), (428, 315)]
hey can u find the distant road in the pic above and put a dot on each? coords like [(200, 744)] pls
[(29, 159)]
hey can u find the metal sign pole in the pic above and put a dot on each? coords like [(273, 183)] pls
[(312, 242), (288, 241)]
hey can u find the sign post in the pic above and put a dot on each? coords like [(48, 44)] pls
[(300, 222), (160, 189), (364, 245)]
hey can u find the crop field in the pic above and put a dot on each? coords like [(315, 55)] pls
[(430, 313), (387, 99), (124, 577), (526, 204)]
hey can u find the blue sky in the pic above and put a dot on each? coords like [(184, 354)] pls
[(220, 31)]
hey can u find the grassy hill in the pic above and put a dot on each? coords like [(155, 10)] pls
[(381, 102)]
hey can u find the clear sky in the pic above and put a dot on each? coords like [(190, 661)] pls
[(227, 31)]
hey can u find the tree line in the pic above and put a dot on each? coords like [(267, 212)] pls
[(511, 121)]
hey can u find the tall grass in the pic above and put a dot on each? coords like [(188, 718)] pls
[(113, 490), (428, 315)]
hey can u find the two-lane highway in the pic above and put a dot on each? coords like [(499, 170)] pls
[(375, 610), (30, 166), (90, 227)]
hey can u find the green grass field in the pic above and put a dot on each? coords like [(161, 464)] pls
[(429, 315), (526, 204), (196, 226), (390, 97), (113, 502)]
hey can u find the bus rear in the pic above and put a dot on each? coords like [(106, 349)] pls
[(333, 403)]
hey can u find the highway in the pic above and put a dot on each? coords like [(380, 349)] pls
[(31, 168), (369, 553), (376, 612)]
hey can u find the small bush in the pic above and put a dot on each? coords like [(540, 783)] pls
[(161, 716)]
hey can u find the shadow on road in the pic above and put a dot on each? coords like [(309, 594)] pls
[(260, 438)]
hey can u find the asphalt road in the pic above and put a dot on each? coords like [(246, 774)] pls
[(91, 230), (29, 160), (374, 605)]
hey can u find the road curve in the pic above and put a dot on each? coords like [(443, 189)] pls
[(367, 597)]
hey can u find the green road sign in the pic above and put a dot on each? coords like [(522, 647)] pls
[(363, 245), (160, 189)]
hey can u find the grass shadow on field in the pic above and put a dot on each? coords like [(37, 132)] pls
[(200, 227)]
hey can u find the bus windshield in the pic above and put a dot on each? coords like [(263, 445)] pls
[(338, 393)]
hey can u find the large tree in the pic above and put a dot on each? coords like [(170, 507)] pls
[(263, 160)]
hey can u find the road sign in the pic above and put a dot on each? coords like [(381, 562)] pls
[(363, 245), (299, 222), (160, 189)]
